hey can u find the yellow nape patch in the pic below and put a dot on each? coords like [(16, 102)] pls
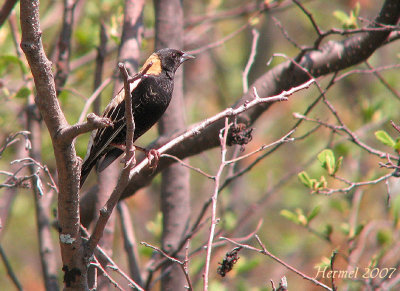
[(155, 62)]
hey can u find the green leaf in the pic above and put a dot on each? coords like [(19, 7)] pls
[(322, 183), (327, 159), (397, 144), (146, 252), (348, 21), (301, 217), (325, 263), (290, 216), (305, 179), (358, 230), (345, 228), (355, 231), (253, 21), (385, 138), (395, 209), (383, 237), (338, 164), (356, 10), (155, 227), (353, 16), (328, 230), (313, 213), (23, 93), (341, 16)]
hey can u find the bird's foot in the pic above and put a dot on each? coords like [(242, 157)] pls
[(126, 159), (154, 157), (129, 160)]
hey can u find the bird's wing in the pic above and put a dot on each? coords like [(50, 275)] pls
[(101, 138)]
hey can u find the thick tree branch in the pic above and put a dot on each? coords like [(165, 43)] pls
[(68, 134), (330, 58), (65, 155), (175, 186)]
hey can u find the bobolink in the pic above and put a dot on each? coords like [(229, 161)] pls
[(151, 94)]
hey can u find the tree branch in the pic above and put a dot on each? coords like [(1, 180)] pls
[(330, 58), (6, 10), (65, 154)]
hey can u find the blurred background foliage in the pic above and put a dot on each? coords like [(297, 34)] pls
[(271, 192)]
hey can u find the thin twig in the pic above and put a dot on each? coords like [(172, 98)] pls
[(106, 211), (220, 41), (97, 265), (11, 139), (130, 122), (383, 81), (92, 98), (64, 45), (355, 185), (229, 112), (98, 73), (129, 242), (250, 61), (283, 139), (264, 251), (353, 137), (183, 163), (9, 269), (183, 264), (102, 254), (223, 137)]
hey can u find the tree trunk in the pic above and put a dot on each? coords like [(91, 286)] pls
[(175, 200)]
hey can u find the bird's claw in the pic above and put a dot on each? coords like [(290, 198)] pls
[(128, 160), (154, 157)]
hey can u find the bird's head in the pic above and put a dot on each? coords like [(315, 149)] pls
[(166, 59)]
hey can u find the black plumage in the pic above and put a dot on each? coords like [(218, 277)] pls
[(151, 95)]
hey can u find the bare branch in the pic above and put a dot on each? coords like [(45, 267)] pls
[(183, 163), (68, 134), (64, 45), (107, 210), (250, 61), (330, 58), (129, 242), (6, 9), (264, 251), (11, 139), (183, 264), (93, 98), (9, 269), (65, 155), (196, 130), (223, 137)]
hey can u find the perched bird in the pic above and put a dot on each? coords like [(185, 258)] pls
[(151, 95)]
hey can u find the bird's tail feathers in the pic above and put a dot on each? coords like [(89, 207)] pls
[(86, 168), (110, 157)]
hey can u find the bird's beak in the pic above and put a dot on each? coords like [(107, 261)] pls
[(186, 56)]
